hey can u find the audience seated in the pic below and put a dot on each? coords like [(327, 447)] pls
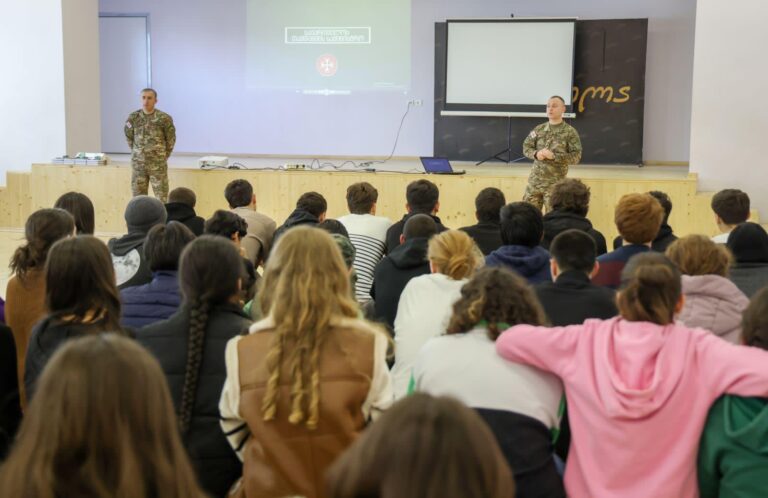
[(310, 210), (334, 227), (638, 386), (427, 300), (638, 218), (519, 403), (181, 208), (422, 197), (731, 207), (25, 293), (10, 404), (261, 228), (305, 381), (233, 227), (572, 298), (521, 232), (664, 237), (141, 214), (423, 447), (487, 231), (80, 297), (569, 204), (367, 232), (159, 299), (81, 209), (733, 452), (408, 260), (99, 426), (712, 302), (190, 347), (748, 243)]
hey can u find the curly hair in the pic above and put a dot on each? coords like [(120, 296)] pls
[(571, 196), (499, 297)]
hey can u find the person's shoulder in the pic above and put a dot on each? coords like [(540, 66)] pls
[(135, 114), (163, 115)]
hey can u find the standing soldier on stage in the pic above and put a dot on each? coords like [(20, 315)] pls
[(151, 137), (553, 146)]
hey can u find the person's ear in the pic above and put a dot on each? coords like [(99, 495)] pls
[(553, 268), (239, 284), (321, 218), (595, 270), (402, 238), (253, 201), (407, 208), (680, 303), (437, 207), (373, 209)]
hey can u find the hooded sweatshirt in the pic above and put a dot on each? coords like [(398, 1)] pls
[(532, 263), (131, 267), (184, 214), (713, 303), (733, 454), (556, 222), (297, 217), (638, 395)]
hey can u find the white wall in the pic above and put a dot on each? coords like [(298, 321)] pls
[(729, 124), (198, 54)]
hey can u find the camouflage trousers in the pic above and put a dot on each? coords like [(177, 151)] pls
[(146, 171), (540, 182)]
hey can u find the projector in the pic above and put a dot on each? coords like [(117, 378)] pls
[(209, 161)]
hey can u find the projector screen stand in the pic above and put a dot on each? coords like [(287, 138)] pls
[(499, 156)]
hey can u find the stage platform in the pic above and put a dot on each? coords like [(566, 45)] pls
[(277, 190)]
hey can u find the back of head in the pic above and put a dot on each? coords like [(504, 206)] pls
[(638, 218), (731, 205), (313, 203), (164, 244), (238, 193), (422, 196), (521, 225), (419, 226), (488, 204), (499, 297), (423, 447), (81, 209), (183, 195), (574, 250), (665, 201), (80, 281), (699, 255), (749, 243), (42, 229), (333, 227), (754, 325), (87, 433), (144, 212), (455, 254), (361, 197), (650, 289), (570, 195), (226, 224)]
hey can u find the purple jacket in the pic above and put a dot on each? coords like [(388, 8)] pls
[(713, 303)]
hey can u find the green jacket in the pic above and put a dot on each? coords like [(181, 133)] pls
[(733, 455), (562, 139), (150, 136)]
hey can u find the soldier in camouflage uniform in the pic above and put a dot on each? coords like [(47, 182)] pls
[(553, 146), (151, 137)]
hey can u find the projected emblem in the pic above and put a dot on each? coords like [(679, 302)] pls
[(327, 65)]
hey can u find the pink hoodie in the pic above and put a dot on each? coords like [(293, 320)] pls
[(638, 396)]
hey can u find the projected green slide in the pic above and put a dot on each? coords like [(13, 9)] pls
[(329, 46)]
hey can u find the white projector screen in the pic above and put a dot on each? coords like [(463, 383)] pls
[(508, 67)]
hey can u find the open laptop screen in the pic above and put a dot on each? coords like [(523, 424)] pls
[(436, 165)]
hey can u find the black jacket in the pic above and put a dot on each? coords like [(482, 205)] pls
[(560, 221), (131, 267), (10, 408), (573, 298), (396, 230), (663, 239), (393, 273), (178, 211), (296, 218), (216, 464), (486, 234)]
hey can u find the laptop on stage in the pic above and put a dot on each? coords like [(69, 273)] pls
[(439, 166)]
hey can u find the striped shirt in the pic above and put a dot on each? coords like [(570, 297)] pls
[(368, 234)]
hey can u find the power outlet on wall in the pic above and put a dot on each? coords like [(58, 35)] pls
[(415, 102)]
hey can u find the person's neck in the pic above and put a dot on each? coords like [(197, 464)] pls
[(555, 122), (148, 112), (726, 228)]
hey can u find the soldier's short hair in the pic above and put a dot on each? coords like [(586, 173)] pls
[(731, 205), (312, 202), (488, 204), (238, 193), (570, 195), (638, 218), (574, 250), (154, 92), (422, 196), (557, 97), (521, 225), (183, 195), (361, 197)]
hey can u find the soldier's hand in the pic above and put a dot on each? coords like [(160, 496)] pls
[(547, 154)]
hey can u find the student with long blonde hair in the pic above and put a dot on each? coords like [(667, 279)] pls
[(99, 426), (308, 377)]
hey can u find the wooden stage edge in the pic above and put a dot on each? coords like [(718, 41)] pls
[(277, 191)]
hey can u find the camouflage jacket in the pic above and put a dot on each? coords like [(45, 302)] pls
[(150, 135), (563, 140)]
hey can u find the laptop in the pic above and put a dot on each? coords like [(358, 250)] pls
[(438, 166)]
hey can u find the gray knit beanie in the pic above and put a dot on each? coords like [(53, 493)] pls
[(144, 212)]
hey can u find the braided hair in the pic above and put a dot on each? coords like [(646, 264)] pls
[(209, 272)]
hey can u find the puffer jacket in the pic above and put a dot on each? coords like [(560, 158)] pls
[(713, 303), (152, 302)]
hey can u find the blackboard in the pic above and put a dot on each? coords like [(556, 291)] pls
[(608, 95)]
